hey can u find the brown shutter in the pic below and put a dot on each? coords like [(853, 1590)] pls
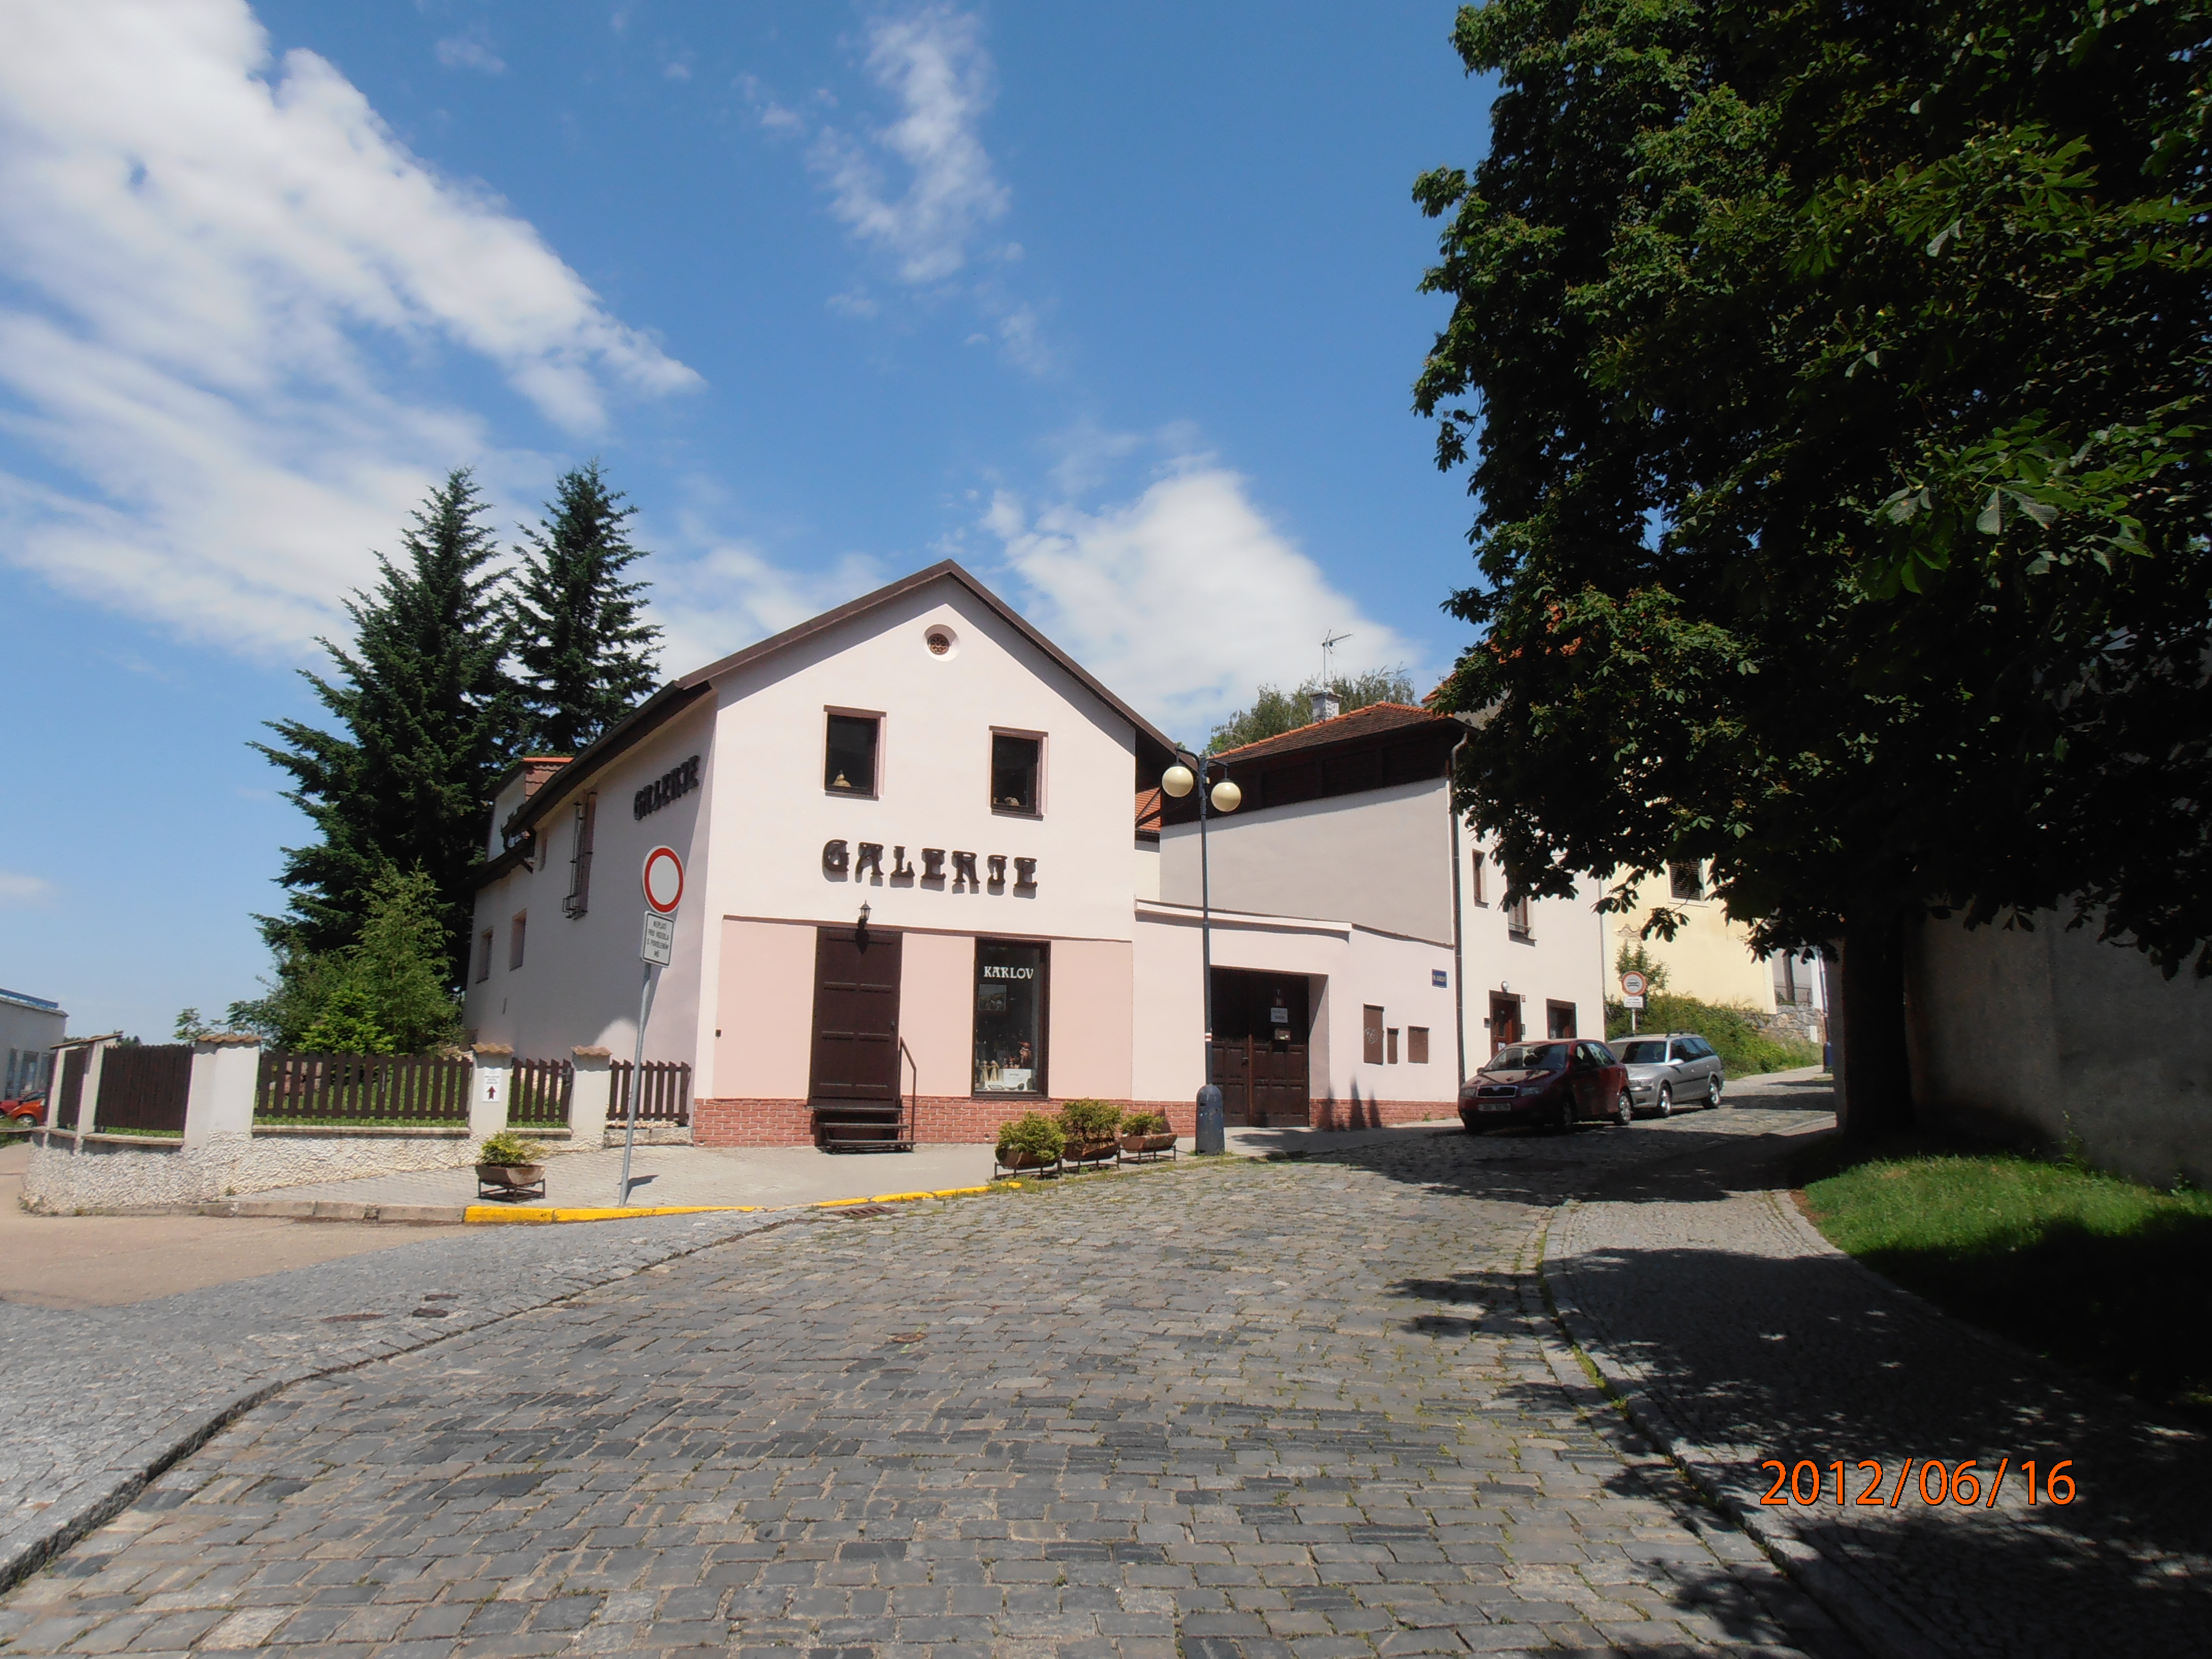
[(1370, 1034), (580, 876), (1417, 1045)]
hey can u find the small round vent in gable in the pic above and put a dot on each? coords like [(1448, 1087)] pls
[(941, 641)]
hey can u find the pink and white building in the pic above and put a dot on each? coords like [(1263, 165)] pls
[(920, 902)]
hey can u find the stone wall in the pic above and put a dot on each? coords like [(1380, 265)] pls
[(121, 1172)]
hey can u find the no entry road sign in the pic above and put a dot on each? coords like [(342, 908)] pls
[(1634, 984), (664, 880)]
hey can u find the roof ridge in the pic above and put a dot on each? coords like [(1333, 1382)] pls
[(1349, 714)]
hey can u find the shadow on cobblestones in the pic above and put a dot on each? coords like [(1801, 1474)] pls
[(1293, 1411)]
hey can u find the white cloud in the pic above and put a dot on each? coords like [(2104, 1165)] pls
[(472, 49), (23, 889), (932, 62), (208, 257), (730, 596), (1184, 600)]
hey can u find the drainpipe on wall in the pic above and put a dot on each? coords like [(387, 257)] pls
[(1459, 920)]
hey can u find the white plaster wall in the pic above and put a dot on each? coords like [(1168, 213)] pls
[(1346, 967), (580, 977), (30, 1028), (1564, 959), (933, 784), (2052, 1033), (766, 993), (1381, 857), (107, 1176)]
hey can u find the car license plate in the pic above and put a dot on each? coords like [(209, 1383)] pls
[(1493, 1106)]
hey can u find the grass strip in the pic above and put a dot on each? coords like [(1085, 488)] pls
[(2106, 1276)]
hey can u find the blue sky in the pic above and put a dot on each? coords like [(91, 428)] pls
[(1115, 304)]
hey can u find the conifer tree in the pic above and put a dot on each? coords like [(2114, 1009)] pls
[(585, 652), (426, 720)]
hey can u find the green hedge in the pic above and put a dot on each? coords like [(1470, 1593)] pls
[(1744, 1049)]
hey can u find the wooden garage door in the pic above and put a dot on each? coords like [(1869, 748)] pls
[(856, 999)]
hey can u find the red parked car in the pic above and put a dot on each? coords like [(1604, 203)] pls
[(21, 1113), (1558, 1084)]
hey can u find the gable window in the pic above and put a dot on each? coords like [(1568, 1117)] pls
[(1686, 880), (515, 930), (1517, 921), (579, 859), (1015, 764), (849, 765), (484, 954), (1475, 889)]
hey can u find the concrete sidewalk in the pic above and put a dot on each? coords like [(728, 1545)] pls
[(1734, 1333)]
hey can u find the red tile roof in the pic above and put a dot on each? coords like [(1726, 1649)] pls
[(1148, 808), (1374, 720)]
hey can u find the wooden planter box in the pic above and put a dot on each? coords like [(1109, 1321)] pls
[(1015, 1163), (1148, 1145), (1093, 1152), (510, 1180)]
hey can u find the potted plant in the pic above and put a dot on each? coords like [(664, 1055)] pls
[(1146, 1134), (1088, 1127), (508, 1162), (1033, 1141)]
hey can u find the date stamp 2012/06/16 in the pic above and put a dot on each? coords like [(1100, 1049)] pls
[(1808, 1482)]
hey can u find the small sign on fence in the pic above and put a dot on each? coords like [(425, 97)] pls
[(659, 946)]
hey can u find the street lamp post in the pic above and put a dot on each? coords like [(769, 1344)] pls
[(1179, 781)]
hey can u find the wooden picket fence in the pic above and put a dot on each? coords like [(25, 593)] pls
[(665, 1098), (143, 1088), (538, 1096), (404, 1090)]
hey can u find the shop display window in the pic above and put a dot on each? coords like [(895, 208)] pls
[(849, 768), (1015, 764), (1011, 984)]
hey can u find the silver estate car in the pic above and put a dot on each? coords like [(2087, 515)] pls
[(1667, 1069)]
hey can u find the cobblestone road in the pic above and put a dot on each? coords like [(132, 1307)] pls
[(1695, 1280), (1307, 1408)]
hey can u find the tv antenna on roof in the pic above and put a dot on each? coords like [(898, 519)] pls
[(1329, 643)]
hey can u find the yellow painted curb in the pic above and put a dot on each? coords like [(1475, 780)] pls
[(493, 1213), (899, 1198)]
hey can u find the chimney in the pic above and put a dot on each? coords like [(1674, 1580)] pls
[(1324, 704)]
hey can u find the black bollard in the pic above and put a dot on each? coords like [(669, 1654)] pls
[(1212, 1137)]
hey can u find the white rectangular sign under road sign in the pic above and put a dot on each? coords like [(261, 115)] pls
[(659, 945), (1631, 1002)]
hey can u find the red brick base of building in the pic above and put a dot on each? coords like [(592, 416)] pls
[(959, 1120)]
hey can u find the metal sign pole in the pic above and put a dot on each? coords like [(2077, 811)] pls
[(636, 1082)]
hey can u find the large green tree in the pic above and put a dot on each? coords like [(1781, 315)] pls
[(425, 721), (1835, 380), (584, 649)]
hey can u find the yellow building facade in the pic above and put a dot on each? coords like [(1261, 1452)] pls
[(1709, 957)]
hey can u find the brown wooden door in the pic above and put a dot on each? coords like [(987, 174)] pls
[(1260, 1027), (1505, 1021), (856, 1001)]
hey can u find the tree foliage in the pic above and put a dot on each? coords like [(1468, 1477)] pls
[(585, 655), (386, 992), (426, 719), (1275, 711), (1835, 379)]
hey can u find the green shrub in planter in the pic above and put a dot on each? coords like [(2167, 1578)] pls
[(1145, 1123), (1087, 1122), (508, 1149), (1033, 1135)]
